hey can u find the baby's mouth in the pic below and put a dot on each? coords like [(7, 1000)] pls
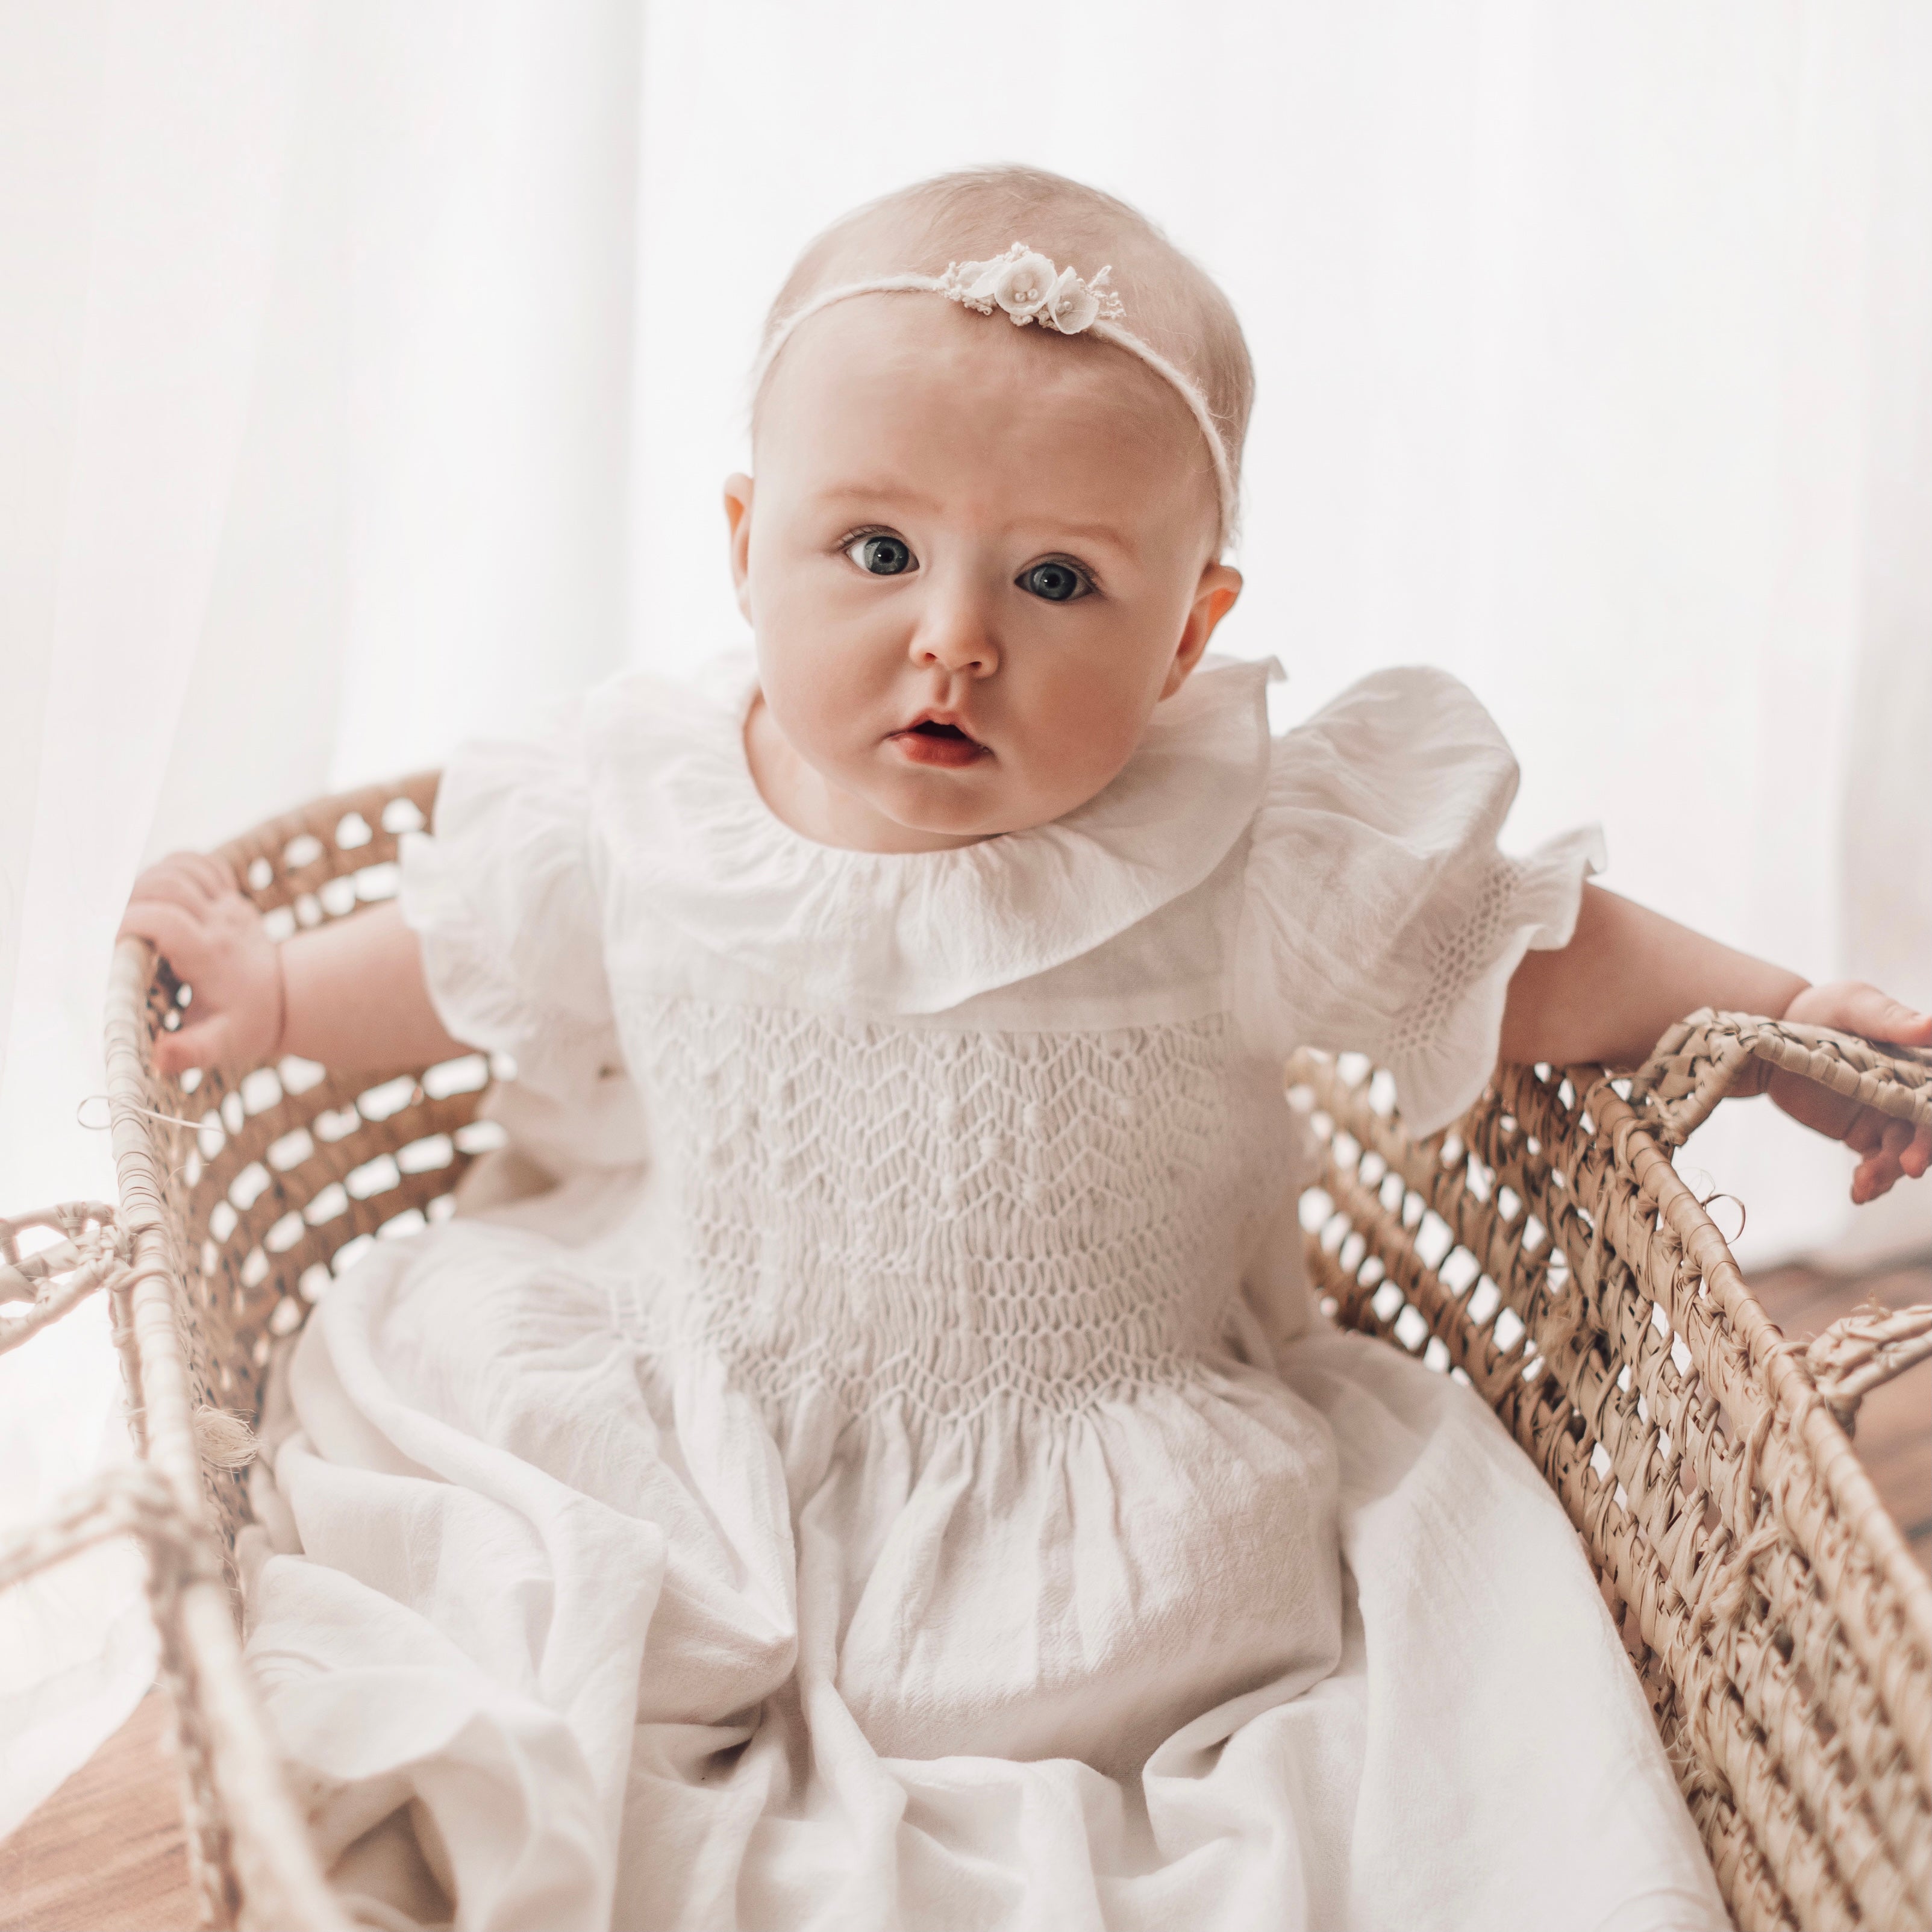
[(934, 741)]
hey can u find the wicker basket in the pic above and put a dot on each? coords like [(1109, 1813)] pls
[(1544, 1249)]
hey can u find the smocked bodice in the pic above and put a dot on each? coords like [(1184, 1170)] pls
[(944, 1219)]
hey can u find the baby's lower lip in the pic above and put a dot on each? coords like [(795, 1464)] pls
[(922, 748)]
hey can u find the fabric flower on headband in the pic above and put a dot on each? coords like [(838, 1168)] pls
[(1029, 288)]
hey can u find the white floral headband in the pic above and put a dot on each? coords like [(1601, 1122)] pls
[(1028, 288)]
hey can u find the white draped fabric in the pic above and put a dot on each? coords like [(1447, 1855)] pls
[(368, 373)]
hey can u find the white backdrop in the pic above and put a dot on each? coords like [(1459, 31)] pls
[(368, 373)]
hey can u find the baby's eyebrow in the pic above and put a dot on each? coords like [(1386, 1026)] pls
[(875, 493), (1107, 534)]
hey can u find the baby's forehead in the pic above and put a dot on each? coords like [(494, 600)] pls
[(901, 397)]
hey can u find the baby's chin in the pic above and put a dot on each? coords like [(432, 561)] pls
[(953, 808)]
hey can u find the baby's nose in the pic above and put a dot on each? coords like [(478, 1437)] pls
[(955, 637)]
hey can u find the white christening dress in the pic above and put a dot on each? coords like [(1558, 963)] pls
[(893, 1480)]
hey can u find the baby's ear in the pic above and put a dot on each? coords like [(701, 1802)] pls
[(1214, 597), (738, 515)]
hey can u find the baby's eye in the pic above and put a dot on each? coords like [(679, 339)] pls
[(1057, 582), (884, 554)]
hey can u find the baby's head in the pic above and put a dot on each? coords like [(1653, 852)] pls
[(978, 555)]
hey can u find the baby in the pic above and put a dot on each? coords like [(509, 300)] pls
[(892, 1478)]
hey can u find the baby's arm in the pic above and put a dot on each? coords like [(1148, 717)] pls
[(350, 994), (1628, 973)]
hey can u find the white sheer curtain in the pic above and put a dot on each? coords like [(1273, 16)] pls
[(368, 373), (142, 174), (315, 344)]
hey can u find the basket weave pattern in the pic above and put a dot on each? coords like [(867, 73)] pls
[(292, 1169), (1543, 1250)]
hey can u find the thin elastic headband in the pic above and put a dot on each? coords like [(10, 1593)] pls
[(1026, 287)]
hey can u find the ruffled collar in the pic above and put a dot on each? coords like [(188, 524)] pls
[(913, 932)]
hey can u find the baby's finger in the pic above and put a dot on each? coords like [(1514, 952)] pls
[(206, 1042), (176, 933), (175, 1053), (1872, 1177), (208, 872), (187, 878), (1877, 1015), (171, 885), (1915, 1158), (1866, 1134)]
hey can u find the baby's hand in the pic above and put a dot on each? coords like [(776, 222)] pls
[(1890, 1147), (190, 907)]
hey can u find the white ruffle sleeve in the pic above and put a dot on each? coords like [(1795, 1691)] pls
[(505, 898), (1380, 915)]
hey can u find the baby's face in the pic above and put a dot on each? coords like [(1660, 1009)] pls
[(978, 557)]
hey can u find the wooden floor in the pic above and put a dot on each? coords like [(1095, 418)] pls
[(106, 1853), (1895, 1426)]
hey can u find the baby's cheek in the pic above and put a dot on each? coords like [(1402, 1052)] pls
[(817, 694), (1077, 735)]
